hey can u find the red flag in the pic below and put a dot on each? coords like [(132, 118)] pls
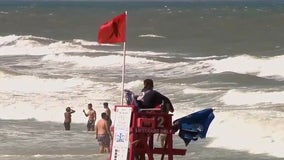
[(113, 31)]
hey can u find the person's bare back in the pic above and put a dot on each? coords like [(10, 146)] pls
[(102, 127), (103, 134)]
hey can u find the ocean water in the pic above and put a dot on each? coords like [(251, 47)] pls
[(225, 55)]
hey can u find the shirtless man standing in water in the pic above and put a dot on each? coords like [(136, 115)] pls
[(92, 117), (108, 112), (103, 134)]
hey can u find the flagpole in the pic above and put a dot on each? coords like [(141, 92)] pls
[(123, 66), (123, 73)]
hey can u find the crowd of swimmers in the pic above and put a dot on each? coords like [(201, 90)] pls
[(148, 98), (101, 128)]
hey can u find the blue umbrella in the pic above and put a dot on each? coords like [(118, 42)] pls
[(195, 125)]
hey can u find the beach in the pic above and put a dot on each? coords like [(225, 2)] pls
[(224, 55)]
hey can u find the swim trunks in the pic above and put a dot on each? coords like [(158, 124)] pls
[(104, 140), (91, 125)]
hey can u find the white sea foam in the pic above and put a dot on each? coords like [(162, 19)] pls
[(95, 62), (91, 43), (251, 131), (112, 61), (193, 90), (11, 39), (31, 84), (50, 107), (134, 84), (3, 12), (8, 39), (237, 97), (146, 53), (2, 74), (31, 45), (26, 97), (86, 43), (150, 36), (245, 64), (135, 64), (205, 58)]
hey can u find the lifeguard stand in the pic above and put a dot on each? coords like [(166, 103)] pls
[(145, 123)]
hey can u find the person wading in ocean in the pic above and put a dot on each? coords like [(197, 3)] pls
[(67, 118), (103, 134), (92, 117), (108, 113)]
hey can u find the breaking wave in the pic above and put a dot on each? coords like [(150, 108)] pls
[(237, 97), (269, 67)]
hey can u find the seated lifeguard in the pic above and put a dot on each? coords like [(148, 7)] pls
[(151, 98)]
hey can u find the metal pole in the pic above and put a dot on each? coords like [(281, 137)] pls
[(123, 66), (123, 74)]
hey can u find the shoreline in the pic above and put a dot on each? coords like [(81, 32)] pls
[(26, 139)]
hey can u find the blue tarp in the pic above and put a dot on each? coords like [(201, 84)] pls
[(195, 125)]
